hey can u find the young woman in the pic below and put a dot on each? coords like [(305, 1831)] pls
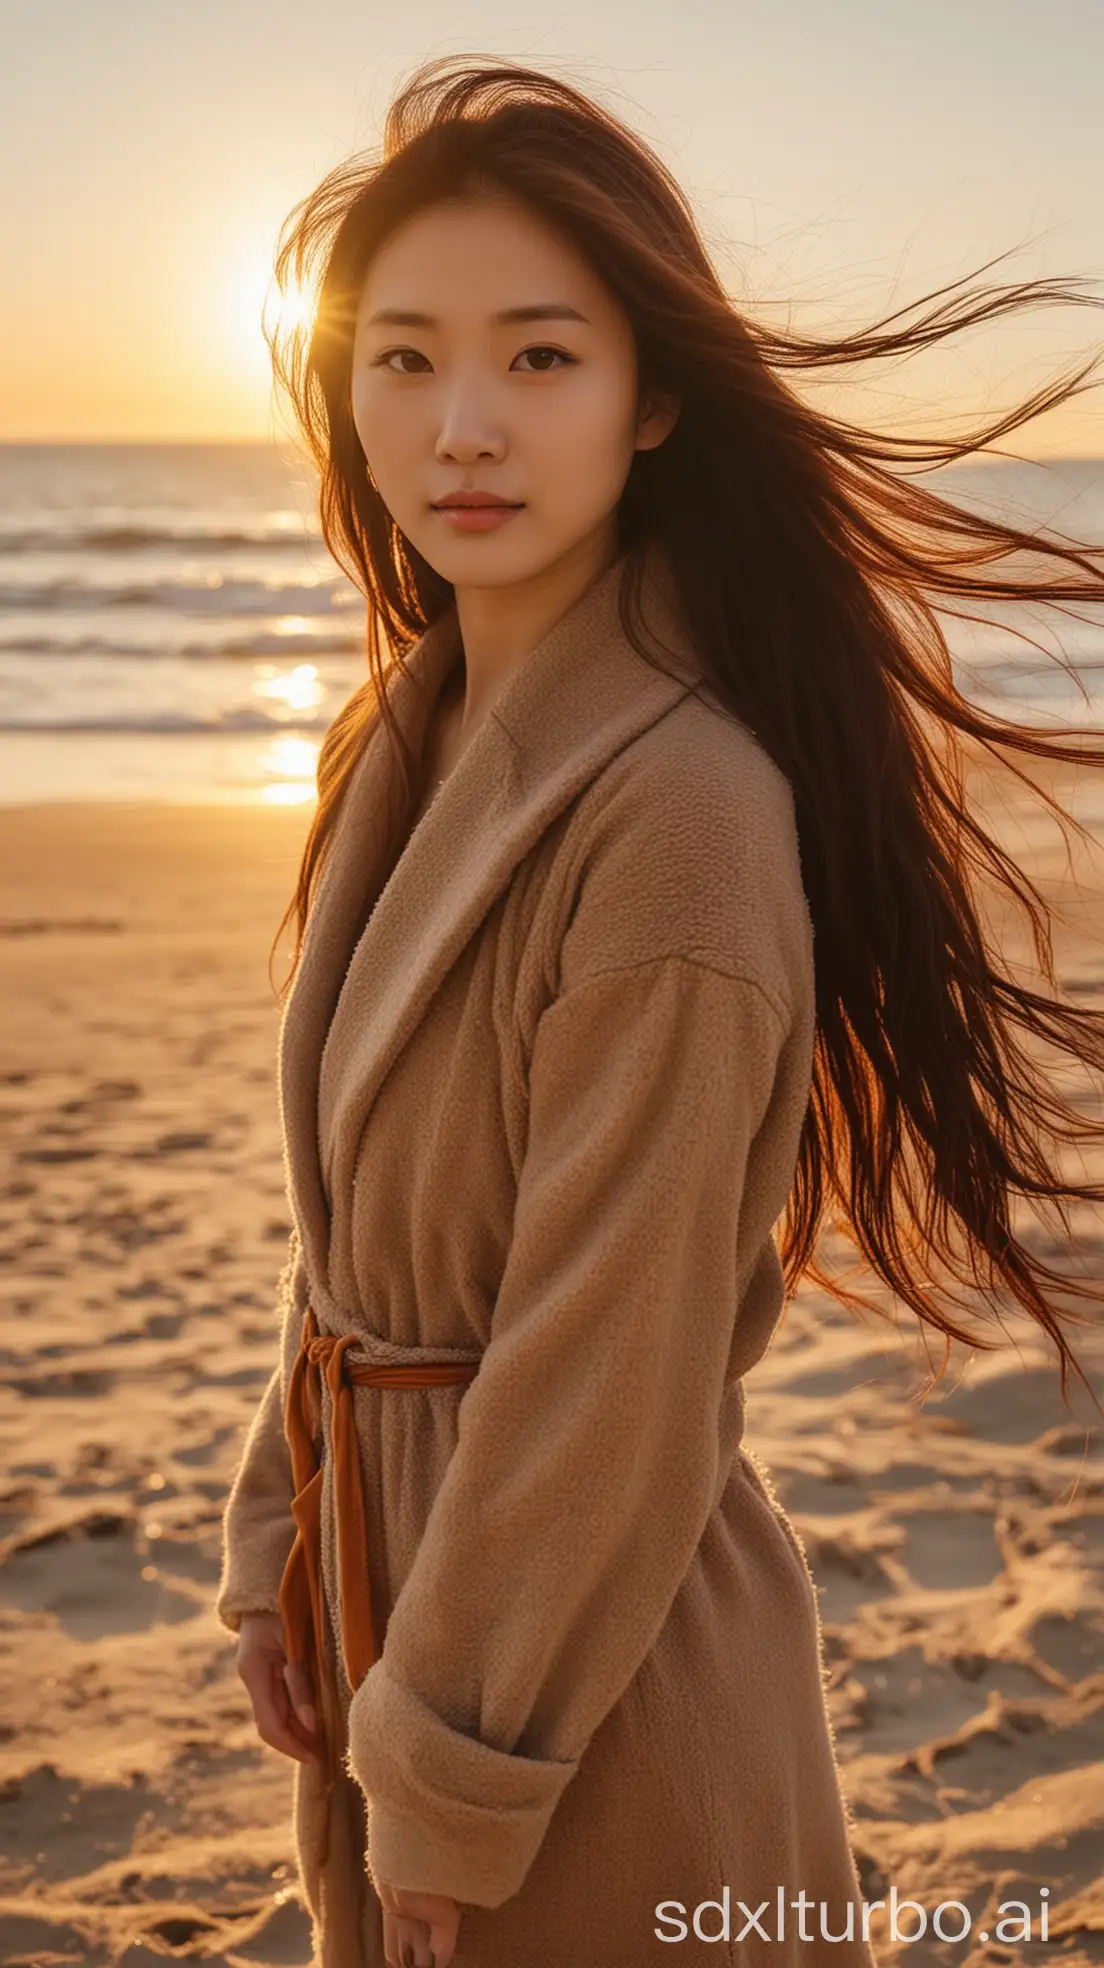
[(667, 696)]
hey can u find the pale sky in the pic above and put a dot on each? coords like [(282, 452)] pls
[(844, 156)]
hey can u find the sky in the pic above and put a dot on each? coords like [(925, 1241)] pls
[(844, 157)]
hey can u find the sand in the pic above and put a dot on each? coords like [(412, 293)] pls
[(958, 1541)]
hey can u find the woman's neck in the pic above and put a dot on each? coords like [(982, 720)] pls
[(500, 626)]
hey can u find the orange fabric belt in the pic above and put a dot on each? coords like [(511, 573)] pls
[(301, 1601)]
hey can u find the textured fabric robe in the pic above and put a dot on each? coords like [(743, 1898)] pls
[(543, 1072)]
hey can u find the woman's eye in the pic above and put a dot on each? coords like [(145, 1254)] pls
[(396, 360), (386, 359), (539, 349)]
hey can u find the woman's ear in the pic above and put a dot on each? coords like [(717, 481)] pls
[(658, 416)]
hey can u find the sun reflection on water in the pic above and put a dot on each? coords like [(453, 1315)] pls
[(300, 689), (291, 764)]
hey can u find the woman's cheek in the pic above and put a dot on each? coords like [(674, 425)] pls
[(590, 443)]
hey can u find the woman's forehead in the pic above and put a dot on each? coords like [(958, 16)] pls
[(499, 251)]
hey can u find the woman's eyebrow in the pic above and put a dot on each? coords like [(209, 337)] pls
[(529, 311)]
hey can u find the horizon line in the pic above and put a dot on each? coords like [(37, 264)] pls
[(275, 443)]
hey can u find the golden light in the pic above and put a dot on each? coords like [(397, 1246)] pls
[(293, 763), (288, 793), (300, 689), (292, 309), (255, 303)]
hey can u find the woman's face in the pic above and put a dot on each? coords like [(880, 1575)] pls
[(489, 358)]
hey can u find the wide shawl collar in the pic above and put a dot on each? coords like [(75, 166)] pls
[(380, 939)]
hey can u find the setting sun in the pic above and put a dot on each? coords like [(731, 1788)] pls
[(256, 303)]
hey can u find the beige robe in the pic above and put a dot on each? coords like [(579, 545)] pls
[(543, 1076)]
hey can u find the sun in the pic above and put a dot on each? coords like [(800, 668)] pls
[(256, 303), (295, 308)]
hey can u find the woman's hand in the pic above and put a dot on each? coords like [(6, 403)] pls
[(282, 1697), (419, 1929)]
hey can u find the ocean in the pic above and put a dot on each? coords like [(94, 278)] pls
[(172, 626)]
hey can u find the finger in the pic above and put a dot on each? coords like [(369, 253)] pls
[(297, 1680), (437, 1913), (275, 1720), (414, 1949), (390, 1941), (442, 1941), (283, 1704), (283, 1739)]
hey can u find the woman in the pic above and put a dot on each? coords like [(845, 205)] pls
[(509, 1588)]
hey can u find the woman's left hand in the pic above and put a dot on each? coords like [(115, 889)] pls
[(419, 1929)]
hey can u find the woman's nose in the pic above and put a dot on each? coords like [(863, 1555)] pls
[(469, 430)]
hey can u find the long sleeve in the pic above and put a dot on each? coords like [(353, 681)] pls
[(587, 1457), (258, 1529)]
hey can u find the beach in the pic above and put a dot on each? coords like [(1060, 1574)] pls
[(144, 1225), (958, 1541)]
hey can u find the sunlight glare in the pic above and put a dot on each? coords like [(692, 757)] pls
[(293, 765), (291, 792), (256, 302), (300, 689), (294, 758)]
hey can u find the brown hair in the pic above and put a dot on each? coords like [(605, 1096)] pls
[(807, 567)]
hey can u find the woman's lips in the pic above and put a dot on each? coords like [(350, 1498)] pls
[(477, 519)]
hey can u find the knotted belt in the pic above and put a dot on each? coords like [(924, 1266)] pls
[(301, 1601)]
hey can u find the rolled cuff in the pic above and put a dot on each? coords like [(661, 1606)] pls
[(446, 1812)]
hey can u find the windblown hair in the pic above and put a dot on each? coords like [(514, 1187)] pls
[(808, 567)]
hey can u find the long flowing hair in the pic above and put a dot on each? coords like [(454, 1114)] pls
[(809, 563)]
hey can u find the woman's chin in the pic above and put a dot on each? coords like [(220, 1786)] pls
[(489, 560)]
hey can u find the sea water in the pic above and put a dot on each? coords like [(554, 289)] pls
[(172, 625)]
